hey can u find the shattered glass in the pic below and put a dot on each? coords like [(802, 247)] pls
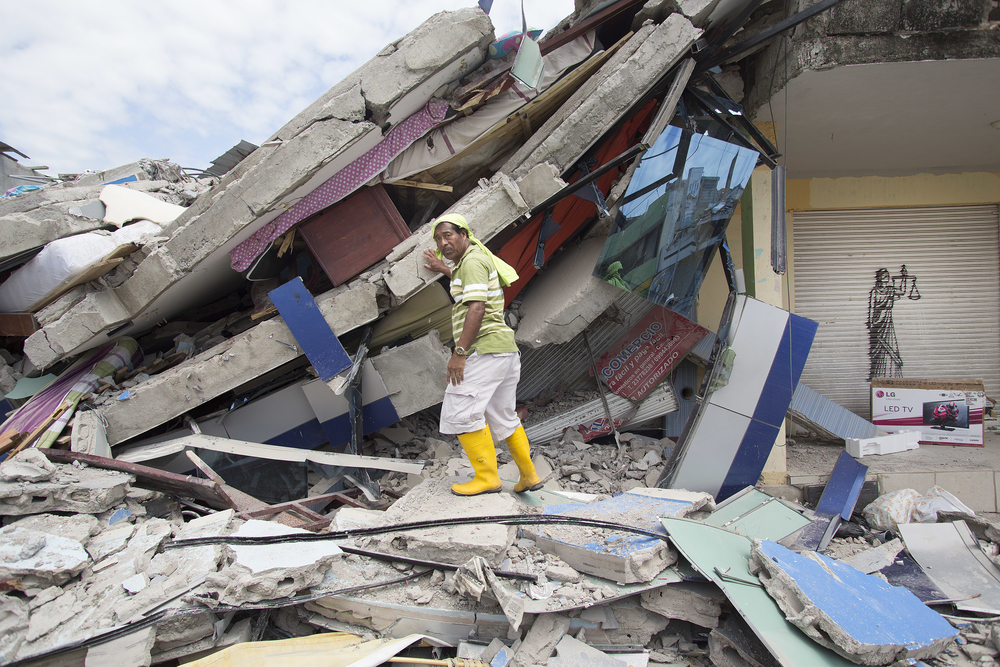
[(674, 216)]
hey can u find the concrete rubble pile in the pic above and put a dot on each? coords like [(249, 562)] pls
[(95, 558), (223, 425)]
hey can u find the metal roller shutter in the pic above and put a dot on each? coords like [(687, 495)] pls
[(951, 332)]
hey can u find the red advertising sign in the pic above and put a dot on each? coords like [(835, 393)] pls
[(640, 360)]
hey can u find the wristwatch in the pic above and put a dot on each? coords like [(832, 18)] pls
[(460, 351)]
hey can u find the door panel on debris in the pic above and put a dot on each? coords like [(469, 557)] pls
[(939, 320)]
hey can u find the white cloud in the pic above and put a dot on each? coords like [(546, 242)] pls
[(97, 85)]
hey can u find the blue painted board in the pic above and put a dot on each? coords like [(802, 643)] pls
[(712, 551), (871, 611), (311, 331), (623, 508), (841, 492)]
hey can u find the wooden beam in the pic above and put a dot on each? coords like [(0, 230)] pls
[(423, 186)]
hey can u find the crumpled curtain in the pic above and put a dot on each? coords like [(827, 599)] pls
[(72, 385)]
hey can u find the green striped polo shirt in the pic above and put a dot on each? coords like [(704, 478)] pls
[(475, 278)]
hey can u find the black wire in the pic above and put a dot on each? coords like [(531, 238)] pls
[(416, 525)]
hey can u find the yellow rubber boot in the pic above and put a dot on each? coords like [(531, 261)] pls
[(478, 446), (520, 451)]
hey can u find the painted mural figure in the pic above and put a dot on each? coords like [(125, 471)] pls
[(883, 348)]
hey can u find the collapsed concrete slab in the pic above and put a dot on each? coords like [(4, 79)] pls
[(229, 365), (433, 500), (606, 96), (308, 150), (566, 299), (69, 488), (33, 219)]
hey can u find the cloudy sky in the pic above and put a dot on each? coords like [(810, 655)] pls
[(94, 85)]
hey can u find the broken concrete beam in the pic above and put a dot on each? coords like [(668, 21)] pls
[(314, 146), (696, 11), (432, 500), (692, 601), (414, 373), (229, 365), (433, 45), (488, 208), (83, 490), (606, 96), (33, 219), (566, 299), (75, 328)]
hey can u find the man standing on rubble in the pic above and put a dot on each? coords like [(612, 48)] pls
[(484, 369)]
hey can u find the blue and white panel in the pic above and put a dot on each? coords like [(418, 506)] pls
[(727, 445)]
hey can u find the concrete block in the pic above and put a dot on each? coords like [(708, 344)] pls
[(540, 183), (565, 299), (229, 365), (691, 601), (600, 102), (267, 572), (29, 465), (433, 499), (541, 640), (82, 490), (132, 650), (409, 373), (886, 444), (177, 632), (58, 308), (89, 435), (92, 209), (110, 541), (39, 558)]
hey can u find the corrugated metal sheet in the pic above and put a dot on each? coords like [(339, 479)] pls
[(546, 370), (819, 413), (950, 332), (659, 402)]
